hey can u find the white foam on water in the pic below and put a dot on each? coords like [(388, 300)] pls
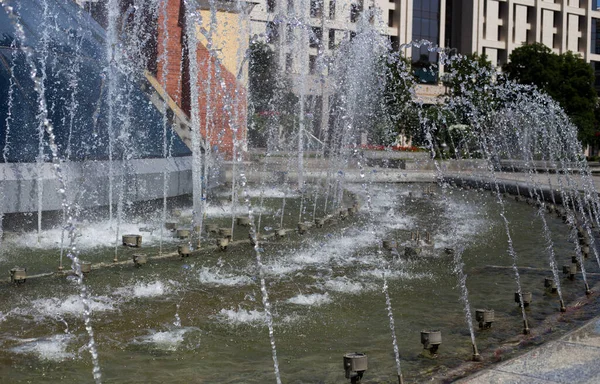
[(241, 316), (268, 192), (214, 210), (53, 348), (89, 236), (343, 249), (250, 317), (315, 299), (103, 233), (395, 274), (343, 284), (170, 340), (469, 220), (281, 267), (216, 277), (72, 305), (140, 290)]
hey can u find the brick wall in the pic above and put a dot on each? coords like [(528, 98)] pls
[(219, 89)]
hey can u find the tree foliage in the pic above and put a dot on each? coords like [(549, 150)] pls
[(469, 75), (262, 76), (398, 104), (272, 104), (567, 78)]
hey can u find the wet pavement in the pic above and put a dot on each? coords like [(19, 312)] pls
[(574, 358)]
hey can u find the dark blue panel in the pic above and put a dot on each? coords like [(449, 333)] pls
[(74, 38)]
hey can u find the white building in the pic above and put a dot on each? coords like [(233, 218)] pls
[(491, 27)]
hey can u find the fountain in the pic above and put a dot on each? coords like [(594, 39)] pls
[(113, 129)]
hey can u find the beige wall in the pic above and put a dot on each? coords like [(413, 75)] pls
[(230, 40)]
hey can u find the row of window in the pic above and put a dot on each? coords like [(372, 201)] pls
[(315, 36), (316, 8)]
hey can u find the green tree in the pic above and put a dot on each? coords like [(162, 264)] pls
[(400, 110), (469, 75), (262, 76), (272, 105), (567, 78)]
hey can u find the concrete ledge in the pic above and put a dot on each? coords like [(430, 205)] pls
[(88, 182)]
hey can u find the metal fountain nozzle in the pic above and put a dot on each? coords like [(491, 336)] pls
[(355, 365)]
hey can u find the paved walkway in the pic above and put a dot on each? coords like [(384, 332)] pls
[(574, 358)]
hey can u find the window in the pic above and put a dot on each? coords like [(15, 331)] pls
[(289, 33), (270, 6), (316, 8), (595, 36), (390, 18), (355, 10), (395, 42), (312, 64), (426, 21), (332, 9), (290, 6), (316, 35), (272, 32), (332, 39), (289, 62)]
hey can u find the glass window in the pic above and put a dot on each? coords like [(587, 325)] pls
[(332, 39), (332, 9), (316, 35), (271, 6), (312, 64), (272, 32), (316, 8), (289, 33), (355, 10), (426, 20)]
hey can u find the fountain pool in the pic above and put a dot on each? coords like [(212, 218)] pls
[(176, 317)]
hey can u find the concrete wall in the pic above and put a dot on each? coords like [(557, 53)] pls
[(88, 182)]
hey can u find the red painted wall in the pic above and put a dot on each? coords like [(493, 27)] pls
[(225, 96)]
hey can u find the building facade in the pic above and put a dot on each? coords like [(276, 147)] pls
[(490, 27)]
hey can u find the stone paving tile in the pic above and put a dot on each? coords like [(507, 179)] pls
[(561, 362), (499, 377), (588, 335), (574, 359)]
